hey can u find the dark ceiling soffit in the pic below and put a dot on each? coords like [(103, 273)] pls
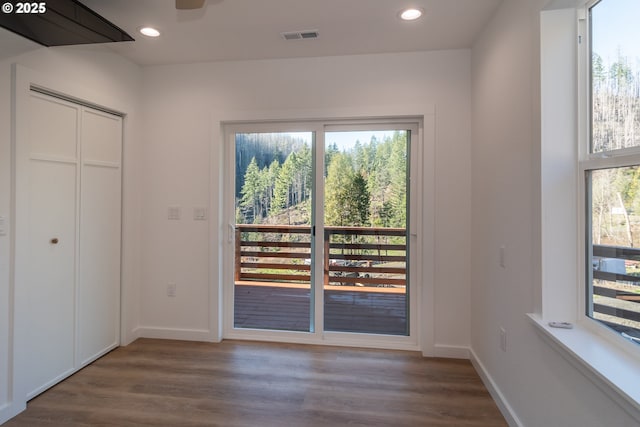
[(65, 22)]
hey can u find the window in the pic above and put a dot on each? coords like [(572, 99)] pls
[(570, 175), (611, 168)]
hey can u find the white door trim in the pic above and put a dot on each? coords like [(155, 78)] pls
[(219, 228)]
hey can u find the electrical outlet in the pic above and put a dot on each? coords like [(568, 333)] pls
[(171, 290), (503, 339)]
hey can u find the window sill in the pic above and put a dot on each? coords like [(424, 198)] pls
[(613, 370)]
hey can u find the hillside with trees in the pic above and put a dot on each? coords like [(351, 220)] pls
[(615, 192), (365, 185), (616, 103)]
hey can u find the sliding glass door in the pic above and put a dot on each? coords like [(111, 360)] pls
[(273, 205), (321, 229), (365, 231)]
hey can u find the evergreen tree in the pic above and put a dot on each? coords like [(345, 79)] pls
[(339, 178), (270, 176), (378, 182), (347, 198), (398, 180), (330, 151), (250, 201), (364, 186), (282, 187), (361, 200)]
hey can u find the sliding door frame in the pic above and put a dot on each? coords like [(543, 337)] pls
[(317, 334), (228, 286), (414, 149)]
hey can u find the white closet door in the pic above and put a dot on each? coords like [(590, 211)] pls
[(45, 313), (67, 222), (100, 213)]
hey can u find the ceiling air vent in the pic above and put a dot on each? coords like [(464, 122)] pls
[(298, 35)]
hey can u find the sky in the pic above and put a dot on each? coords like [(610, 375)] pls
[(345, 139), (616, 25)]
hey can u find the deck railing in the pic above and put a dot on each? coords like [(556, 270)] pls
[(353, 256), (619, 290)]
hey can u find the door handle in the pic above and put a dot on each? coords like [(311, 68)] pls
[(54, 241), (230, 233)]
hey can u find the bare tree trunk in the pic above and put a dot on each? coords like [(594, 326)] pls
[(599, 228), (626, 220)]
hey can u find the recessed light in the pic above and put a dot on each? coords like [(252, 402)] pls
[(149, 32), (411, 14)]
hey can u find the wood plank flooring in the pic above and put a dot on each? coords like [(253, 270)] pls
[(239, 383)]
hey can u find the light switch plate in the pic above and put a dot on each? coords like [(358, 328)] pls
[(200, 214), (171, 290), (174, 212)]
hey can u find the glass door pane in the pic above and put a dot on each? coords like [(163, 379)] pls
[(273, 196), (365, 232)]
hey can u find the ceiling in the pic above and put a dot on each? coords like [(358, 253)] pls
[(251, 29)]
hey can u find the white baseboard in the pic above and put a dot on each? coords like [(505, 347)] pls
[(504, 406), (203, 335), (451, 351), (10, 410), (129, 336)]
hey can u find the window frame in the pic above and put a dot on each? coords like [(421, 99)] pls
[(605, 358), (591, 161)]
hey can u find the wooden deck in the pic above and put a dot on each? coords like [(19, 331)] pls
[(347, 308)]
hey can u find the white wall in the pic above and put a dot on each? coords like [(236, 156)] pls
[(93, 74), (534, 381), (178, 103)]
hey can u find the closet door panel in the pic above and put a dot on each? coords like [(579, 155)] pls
[(101, 136), (52, 127), (100, 229), (46, 274), (50, 290)]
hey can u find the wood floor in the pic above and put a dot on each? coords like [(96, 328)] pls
[(177, 383)]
